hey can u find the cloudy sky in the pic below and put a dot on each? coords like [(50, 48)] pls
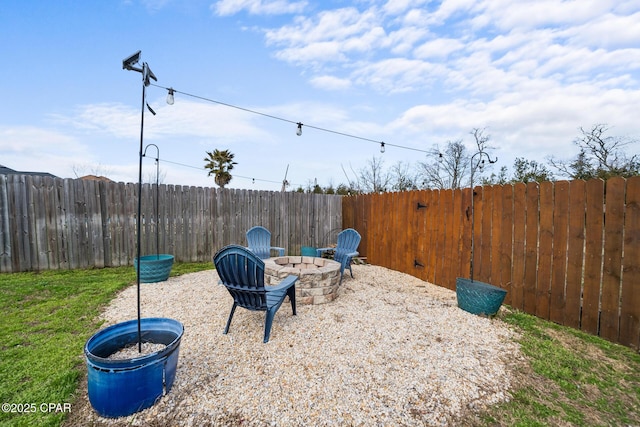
[(412, 73)]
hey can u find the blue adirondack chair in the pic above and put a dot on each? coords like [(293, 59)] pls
[(345, 250), (259, 242), (242, 273)]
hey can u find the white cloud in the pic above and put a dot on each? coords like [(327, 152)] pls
[(496, 45), (330, 83), (608, 31), (397, 75), (506, 15), (257, 7), (27, 140), (33, 149), (184, 118), (438, 48), (348, 30)]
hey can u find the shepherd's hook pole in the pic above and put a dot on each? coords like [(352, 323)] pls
[(481, 153)]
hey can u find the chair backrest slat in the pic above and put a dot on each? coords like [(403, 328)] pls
[(348, 241), (259, 241), (242, 273)]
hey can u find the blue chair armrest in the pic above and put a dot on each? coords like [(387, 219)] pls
[(352, 254), (320, 250), (286, 283), (279, 249)]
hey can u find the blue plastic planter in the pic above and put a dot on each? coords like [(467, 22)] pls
[(154, 268), (479, 297), (118, 388), (308, 251)]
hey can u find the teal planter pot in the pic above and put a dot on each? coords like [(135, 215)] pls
[(308, 251), (479, 297), (154, 268), (118, 388)]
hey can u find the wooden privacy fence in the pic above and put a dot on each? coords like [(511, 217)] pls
[(53, 223), (566, 251)]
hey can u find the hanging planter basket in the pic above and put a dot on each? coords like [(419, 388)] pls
[(154, 268), (308, 251), (479, 297), (118, 388)]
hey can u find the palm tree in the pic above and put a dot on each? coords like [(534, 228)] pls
[(219, 164)]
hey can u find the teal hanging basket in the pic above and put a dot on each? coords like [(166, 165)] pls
[(308, 251), (479, 297), (154, 268)]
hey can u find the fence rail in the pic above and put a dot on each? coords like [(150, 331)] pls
[(52, 223), (566, 251)]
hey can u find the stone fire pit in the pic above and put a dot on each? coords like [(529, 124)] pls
[(318, 278)]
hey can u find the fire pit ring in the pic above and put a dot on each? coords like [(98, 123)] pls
[(318, 278)]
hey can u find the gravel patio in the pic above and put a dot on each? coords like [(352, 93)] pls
[(389, 350)]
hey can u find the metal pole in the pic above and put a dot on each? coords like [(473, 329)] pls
[(472, 221), (473, 168), (157, 204), (138, 221)]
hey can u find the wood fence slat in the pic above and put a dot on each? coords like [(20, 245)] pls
[(72, 224), (456, 238), (593, 256), (612, 262), (477, 231), (96, 225), (630, 292), (440, 231), (5, 231), (408, 232), (465, 236), (575, 254), (484, 267), (368, 224), (448, 248), (431, 251), (519, 239), (61, 224), (391, 239), (543, 287), (531, 248), (557, 303), (497, 214), (506, 241), (419, 225), (20, 213)]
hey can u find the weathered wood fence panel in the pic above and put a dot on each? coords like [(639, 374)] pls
[(52, 223), (565, 251)]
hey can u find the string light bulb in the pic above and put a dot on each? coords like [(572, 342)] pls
[(382, 149), (299, 131), (170, 99)]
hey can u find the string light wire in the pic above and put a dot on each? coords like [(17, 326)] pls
[(235, 176), (294, 122)]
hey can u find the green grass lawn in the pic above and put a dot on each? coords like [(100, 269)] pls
[(46, 318), (567, 378)]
